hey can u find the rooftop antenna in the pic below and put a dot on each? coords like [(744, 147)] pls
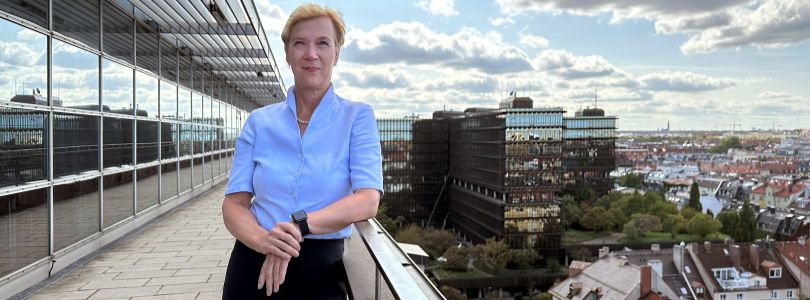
[(594, 98)]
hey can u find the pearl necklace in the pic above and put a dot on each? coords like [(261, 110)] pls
[(301, 121)]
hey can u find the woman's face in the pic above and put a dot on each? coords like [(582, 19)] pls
[(312, 53)]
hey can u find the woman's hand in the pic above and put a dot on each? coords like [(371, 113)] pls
[(273, 273), (284, 240)]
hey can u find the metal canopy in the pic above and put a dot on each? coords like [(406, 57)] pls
[(225, 35)]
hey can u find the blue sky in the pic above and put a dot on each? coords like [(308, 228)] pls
[(698, 64)]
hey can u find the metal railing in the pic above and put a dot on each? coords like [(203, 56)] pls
[(403, 278)]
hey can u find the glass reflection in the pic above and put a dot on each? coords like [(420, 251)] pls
[(209, 167), (116, 82), (185, 175), (147, 141), (117, 142), (32, 10), (25, 69), (198, 137), (186, 134), (168, 63), (146, 95), (197, 179), (147, 48), (118, 33), (168, 100), (117, 197), (23, 229), (168, 181), (75, 212), (196, 110), (75, 148), (168, 144), (78, 20), (22, 146), (184, 105), (75, 77), (147, 188), (206, 110)]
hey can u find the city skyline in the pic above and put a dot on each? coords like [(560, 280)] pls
[(700, 66)]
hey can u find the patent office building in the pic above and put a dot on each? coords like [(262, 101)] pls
[(112, 112)]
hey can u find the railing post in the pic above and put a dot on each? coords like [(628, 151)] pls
[(376, 283)]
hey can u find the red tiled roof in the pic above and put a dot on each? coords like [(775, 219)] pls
[(792, 251)]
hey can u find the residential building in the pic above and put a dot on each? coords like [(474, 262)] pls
[(742, 271), (783, 226), (796, 256), (779, 191)]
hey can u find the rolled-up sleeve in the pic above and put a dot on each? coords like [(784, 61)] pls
[(365, 157), (241, 175)]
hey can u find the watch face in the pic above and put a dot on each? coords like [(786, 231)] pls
[(299, 215)]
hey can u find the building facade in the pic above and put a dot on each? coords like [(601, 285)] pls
[(589, 151), (114, 112)]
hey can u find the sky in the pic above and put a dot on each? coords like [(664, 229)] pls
[(696, 64)]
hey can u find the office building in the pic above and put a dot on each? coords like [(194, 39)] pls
[(114, 112), (589, 151)]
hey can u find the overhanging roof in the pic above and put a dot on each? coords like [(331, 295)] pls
[(226, 35)]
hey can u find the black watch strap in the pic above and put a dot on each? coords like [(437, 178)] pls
[(300, 218), (304, 227)]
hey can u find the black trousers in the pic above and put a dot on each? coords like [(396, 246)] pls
[(317, 273)]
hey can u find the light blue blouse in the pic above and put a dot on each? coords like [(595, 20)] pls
[(338, 154)]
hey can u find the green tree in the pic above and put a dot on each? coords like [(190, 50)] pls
[(746, 224), (631, 180), (694, 197), (688, 212), (553, 265), (436, 241), (390, 224), (411, 234), (524, 258), (492, 256), (594, 219), (662, 208), (456, 259), (729, 220), (545, 296), (731, 142), (703, 225), (571, 211), (451, 293), (675, 224), (644, 223)]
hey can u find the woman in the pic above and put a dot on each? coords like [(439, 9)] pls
[(303, 171)]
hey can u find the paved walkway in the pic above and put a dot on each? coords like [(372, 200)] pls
[(183, 256)]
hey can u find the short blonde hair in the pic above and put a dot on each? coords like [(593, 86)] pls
[(309, 11)]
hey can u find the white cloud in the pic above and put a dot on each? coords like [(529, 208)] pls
[(385, 77), (534, 41), (570, 66), (710, 25), (684, 82), (774, 95), (475, 83), (273, 18), (498, 22), (438, 7), (415, 43)]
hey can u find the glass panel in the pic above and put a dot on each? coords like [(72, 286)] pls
[(75, 212), (185, 175), (196, 109), (185, 139), (168, 64), (147, 48), (209, 167), (146, 95), (147, 187), (147, 141), (116, 83), (168, 135), (168, 100), (22, 146), (117, 197), (23, 229), (25, 68), (198, 171), (168, 181), (185, 69), (184, 104), (210, 133), (119, 30), (198, 73), (75, 147), (32, 10), (206, 110), (117, 142), (77, 19), (75, 77), (197, 135)]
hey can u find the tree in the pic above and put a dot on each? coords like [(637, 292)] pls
[(694, 197), (570, 211), (688, 212), (436, 241), (703, 225), (524, 258), (544, 296), (411, 234), (594, 219), (391, 225), (456, 259), (644, 223), (553, 265), (492, 256), (746, 224), (452, 294), (662, 209), (731, 142), (631, 180), (728, 219), (675, 224)]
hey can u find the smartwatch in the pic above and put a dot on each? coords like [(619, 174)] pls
[(300, 218)]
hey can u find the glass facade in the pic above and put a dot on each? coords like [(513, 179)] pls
[(113, 136)]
